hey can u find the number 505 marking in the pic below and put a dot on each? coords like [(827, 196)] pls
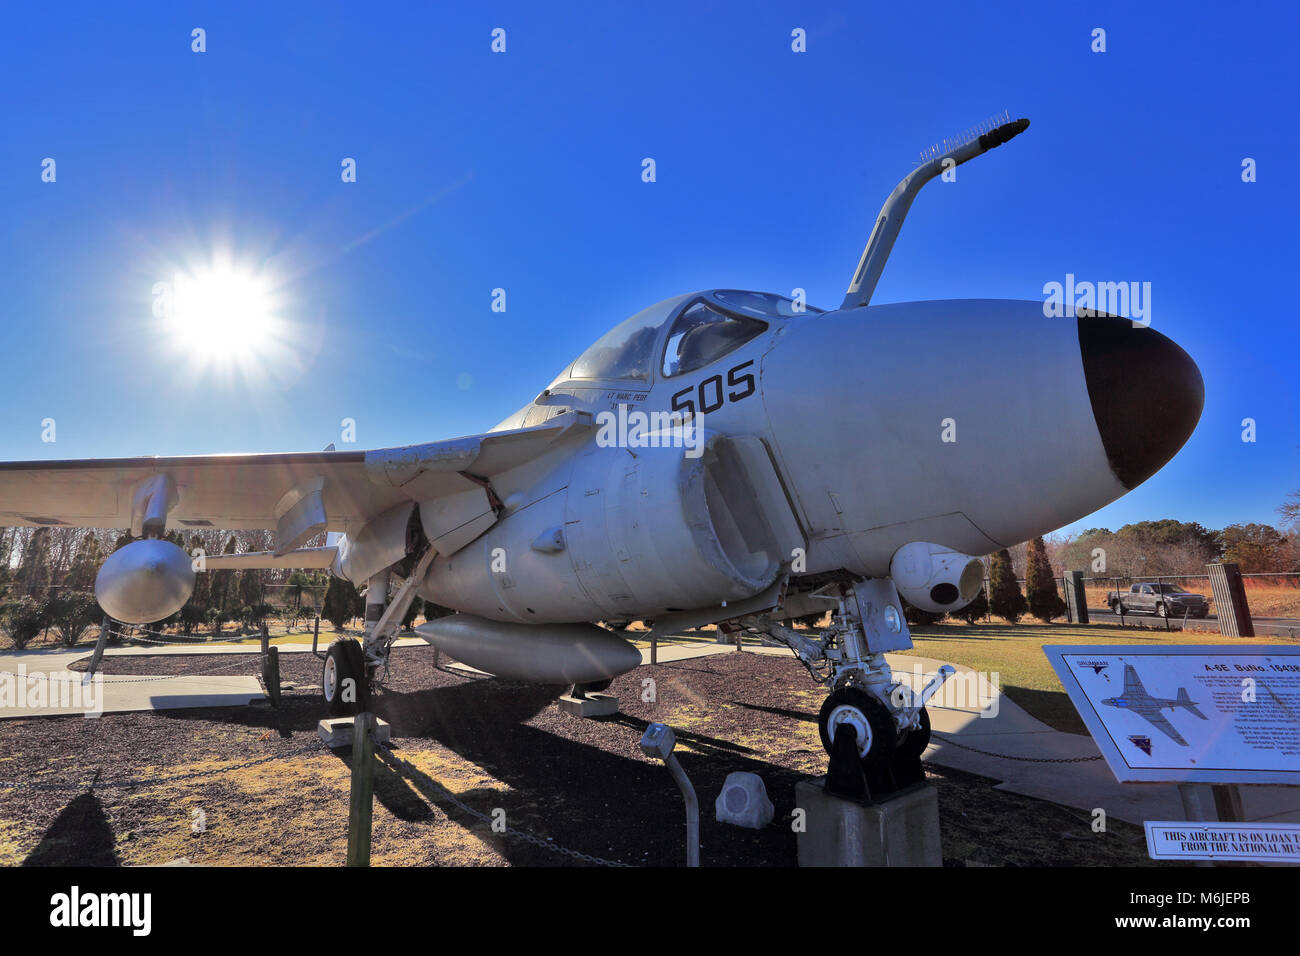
[(712, 394)]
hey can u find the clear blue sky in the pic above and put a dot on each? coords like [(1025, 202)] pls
[(522, 171)]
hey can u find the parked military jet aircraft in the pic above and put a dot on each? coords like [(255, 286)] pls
[(723, 456), (1137, 700)]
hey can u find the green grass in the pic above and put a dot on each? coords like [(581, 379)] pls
[(1015, 653)]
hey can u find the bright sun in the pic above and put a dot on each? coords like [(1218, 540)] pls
[(221, 314)]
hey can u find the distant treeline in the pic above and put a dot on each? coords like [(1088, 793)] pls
[(1168, 547)]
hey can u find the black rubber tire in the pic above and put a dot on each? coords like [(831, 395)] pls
[(1162, 610), (1120, 609), (914, 742), (349, 661), (884, 740)]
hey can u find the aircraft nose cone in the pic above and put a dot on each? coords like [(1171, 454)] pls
[(1146, 394)]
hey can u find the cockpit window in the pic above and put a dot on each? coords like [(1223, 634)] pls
[(625, 351), (703, 334), (762, 303)]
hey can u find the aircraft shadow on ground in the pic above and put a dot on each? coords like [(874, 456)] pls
[(81, 835), (579, 795), (803, 715)]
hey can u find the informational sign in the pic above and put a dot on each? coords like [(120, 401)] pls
[(1180, 840), (1193, 713)]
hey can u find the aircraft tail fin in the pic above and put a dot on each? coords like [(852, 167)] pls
[(1185, 702), (957, 150)]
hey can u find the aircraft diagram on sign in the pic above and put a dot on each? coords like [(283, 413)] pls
[(724, 456), (1136, 699)]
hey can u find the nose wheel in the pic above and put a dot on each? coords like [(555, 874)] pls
[(869, 760), (867, 718)]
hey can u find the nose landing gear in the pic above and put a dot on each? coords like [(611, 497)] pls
[(874, 728)]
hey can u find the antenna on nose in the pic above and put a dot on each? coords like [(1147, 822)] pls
[(955, 151)]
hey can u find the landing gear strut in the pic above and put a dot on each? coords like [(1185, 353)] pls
[(874, 728)]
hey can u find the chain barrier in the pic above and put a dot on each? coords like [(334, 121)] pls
[(990, 753), (160, 637), (112, 679), (136, 782), (416, 773)]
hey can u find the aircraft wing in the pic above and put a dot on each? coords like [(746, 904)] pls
[(1161, 723), (1132, 685), (331, 490)]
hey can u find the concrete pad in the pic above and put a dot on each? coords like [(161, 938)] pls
[(466, 669), (80, 694), (593, 705), (337, 731)]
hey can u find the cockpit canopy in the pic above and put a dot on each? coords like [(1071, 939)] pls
[(702, 328)]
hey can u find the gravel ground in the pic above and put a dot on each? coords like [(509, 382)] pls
[(499, 746)]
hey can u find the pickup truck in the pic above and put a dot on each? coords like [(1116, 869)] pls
[(1163, 600)]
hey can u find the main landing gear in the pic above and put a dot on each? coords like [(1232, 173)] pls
[(874, 728), (351, 669)]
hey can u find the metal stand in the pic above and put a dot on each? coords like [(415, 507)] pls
[(581, 703)]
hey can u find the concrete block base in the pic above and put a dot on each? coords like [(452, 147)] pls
[(593, 705), (337, 731), (900, 831)]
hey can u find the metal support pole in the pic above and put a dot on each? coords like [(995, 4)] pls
[(692, 809), (659, 741), (654, 647), (361, 804), (1164, 601), (1227, 802), (1198, 807), (99, 647)]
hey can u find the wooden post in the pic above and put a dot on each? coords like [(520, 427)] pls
[(1230, 603), (361, 803), (1076, 598), (271, 675), (654, 647), (99, 646)]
